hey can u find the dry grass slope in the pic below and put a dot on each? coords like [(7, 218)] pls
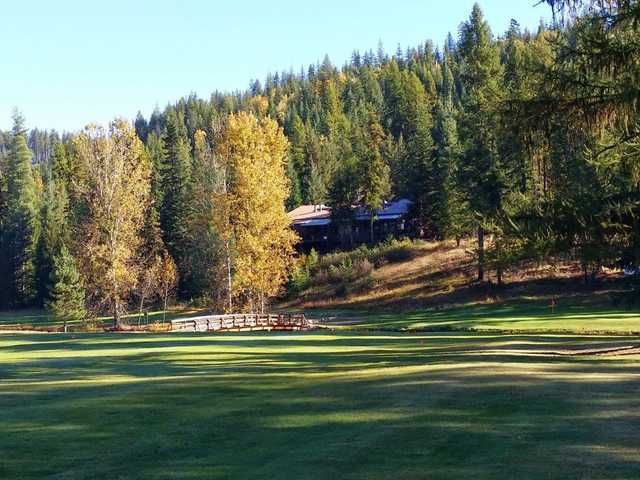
[(442, 275)]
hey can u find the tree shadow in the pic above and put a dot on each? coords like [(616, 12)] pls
[(315, 406)]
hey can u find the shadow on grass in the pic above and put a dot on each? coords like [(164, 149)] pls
[(534, 315), (315, 406)]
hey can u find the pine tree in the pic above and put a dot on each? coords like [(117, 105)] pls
[(480, 162), (21, 229), (4, 266), (141, 126), (442, 199), (375, 180), (155, 149), (344, 194), (295, 194), (296, 164), (55, 233), (66, 291), (421, 181), (175, 184)]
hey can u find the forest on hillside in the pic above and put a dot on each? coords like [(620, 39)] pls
[(529, 138)]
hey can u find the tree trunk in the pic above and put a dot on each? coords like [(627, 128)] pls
[(140, 310), (481, 254), (164, 306), (371, 226), (229, 278), (499, 265), (116, 314)]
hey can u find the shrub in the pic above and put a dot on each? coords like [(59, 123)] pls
[(348, 271), (400, 252), (393, 251), (300, 280), (302, 273)]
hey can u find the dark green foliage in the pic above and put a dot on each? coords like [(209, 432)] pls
[(529, 139), (442, 198), (175, 179), (480, 166), (375, 182), (55, 234), (19, 235), (343, 194), (581, 128), (66, 293)]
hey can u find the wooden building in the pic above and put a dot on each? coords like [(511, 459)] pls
[(317, 229)]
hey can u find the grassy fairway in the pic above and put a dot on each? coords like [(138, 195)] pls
[(316, 406), (43, 319), (520, 316)]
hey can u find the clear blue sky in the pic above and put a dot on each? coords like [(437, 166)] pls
[(66, 63)]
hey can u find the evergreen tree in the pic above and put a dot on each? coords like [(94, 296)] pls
[(155, 150), (20, 231), (141, 126), (295, 193), (343, 195), (66, 292), (443, 189), (296, 164), (374, 175), (481, 172), (176, 184), (55, 233), (420, 171)]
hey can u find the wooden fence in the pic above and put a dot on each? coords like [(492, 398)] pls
[(241, 323)]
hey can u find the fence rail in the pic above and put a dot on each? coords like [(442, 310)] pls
[(242, 322)]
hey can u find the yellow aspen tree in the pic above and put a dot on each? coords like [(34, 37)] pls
[(116, 193), (256, 153)]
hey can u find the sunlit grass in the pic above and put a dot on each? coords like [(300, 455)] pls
[(41, 318), (316, 405), (509, 317)]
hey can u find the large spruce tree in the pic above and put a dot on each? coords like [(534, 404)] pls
[(175, 185), (480, 72), (21, 227)]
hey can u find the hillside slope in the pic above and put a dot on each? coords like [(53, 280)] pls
[(441, 275)]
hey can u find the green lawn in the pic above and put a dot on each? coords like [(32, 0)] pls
[(306, 406), (41, 318), (521, 316)]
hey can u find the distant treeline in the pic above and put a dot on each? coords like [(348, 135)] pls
[(531, 138)]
